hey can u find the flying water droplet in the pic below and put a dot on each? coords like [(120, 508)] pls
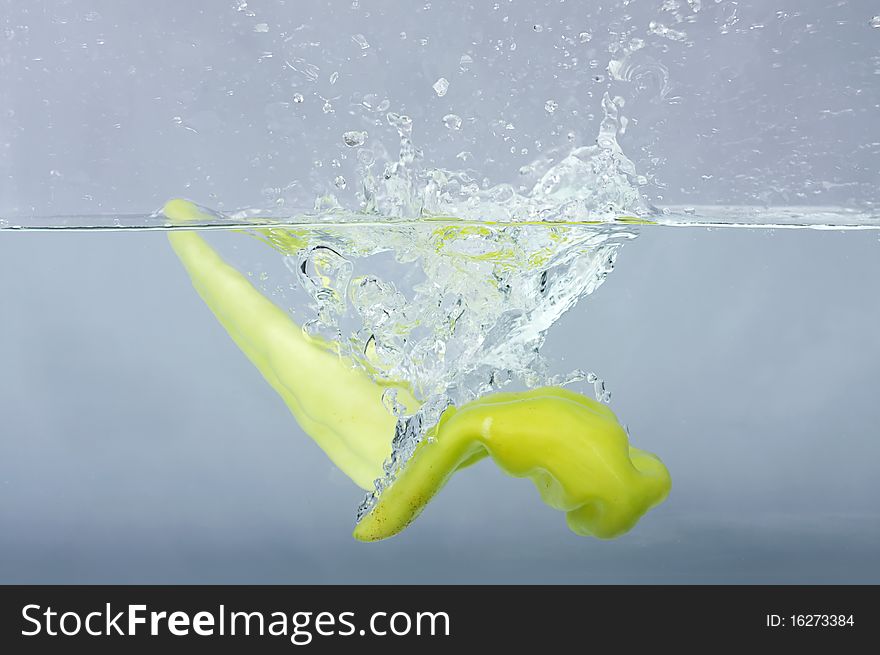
[(875, 22), (261, 27), (551, 106), (298, 98), (441, 86), (667, 32), (339, 182)]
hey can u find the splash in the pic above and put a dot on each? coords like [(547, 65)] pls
[(489, 271), (481, 273), (589, 183)]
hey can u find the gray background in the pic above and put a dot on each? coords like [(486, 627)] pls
[(137, 444)]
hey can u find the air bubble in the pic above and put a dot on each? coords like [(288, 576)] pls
[(389, 399)]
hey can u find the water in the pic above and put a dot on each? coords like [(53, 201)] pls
[(153, 451), (640, 204)]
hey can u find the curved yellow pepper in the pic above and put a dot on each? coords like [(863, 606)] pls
[(572, 447)]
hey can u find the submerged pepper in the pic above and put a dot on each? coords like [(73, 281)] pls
[(572, 448), (337, 404)]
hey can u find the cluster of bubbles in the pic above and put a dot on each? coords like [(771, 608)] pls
[(487, 272), (474, 273)]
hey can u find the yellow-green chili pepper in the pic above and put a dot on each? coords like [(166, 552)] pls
[(572, 447), (337, 404)]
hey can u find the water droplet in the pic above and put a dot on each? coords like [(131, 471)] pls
[(875, 22), (327, 108), (333, 77), (361, 41), (298, 98), (551, 106), (441, 86), (309, 71), (538, 28), (585, 37), (339, 182), (452, 121), (662, 30), (353, 139), (261, 27), (465, 62)]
